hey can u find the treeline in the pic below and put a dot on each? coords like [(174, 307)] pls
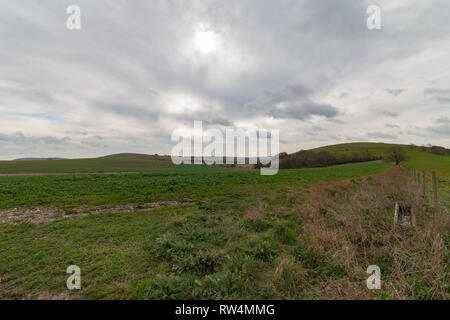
[(309, 159)]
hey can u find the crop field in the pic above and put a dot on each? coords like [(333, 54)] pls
[(198, 232), (164, 183)]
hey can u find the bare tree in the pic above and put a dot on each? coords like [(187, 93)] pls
[(395, 154)]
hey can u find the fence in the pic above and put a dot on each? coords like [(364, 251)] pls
[(436, 188)]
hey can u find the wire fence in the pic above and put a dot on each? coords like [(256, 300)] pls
[(436, 188)]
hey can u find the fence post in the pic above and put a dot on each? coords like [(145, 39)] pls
[(434, 181), (423, 182)]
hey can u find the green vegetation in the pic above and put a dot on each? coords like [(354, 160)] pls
[(113, 163), (420, 158), (182, 183), (259, 237), (229, 233)]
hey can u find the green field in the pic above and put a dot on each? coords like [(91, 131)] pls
[(164, 183), (117, 163), (216, 233), (422, 160)]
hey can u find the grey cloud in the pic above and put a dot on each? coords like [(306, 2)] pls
[(395, 92), (303, 110), (221, 121), (443, 120), (381, 135), (434, 91), (95, 142), (442, 130), (20, 138), (443, 100), (292, 102), (391, 125), (386, 113), (354, 138)]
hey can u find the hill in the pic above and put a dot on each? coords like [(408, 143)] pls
[(137, 156), (34, 159), (113, 163), (421, 158)]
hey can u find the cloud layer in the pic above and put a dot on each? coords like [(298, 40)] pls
[(136, 71)]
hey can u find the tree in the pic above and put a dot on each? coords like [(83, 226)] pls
[(395, 154)]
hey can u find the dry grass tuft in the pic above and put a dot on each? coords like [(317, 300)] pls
[(253, 213)]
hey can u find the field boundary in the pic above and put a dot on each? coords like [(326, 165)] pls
[(436, 188)]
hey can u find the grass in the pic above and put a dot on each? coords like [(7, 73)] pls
[(281, 239), (179, 183), (422, 160), (117, 163), (233, 234)]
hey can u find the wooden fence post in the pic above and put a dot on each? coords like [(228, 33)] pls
[(423, 182), (434, 181)]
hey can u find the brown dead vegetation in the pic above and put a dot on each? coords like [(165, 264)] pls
[(349, 224)]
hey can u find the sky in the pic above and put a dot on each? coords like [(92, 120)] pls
[(138, 70)]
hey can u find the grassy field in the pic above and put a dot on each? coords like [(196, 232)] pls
[(181, 183), (216, 233), (113, 163), (422, 160)]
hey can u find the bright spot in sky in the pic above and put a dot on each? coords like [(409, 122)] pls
[(183, 104), (206, 41)]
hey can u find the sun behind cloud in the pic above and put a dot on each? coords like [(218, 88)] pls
[(206, 41)]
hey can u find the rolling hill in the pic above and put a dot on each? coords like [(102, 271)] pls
[(419, 157), (124, 162)]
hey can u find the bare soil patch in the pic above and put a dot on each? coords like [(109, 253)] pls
[(44, 214)]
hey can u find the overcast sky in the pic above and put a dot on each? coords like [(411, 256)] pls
[(137, 70)]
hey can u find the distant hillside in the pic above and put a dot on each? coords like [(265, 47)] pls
[(420, 157), (139, 156), (112, 163), (36, 159), (374, 148)]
